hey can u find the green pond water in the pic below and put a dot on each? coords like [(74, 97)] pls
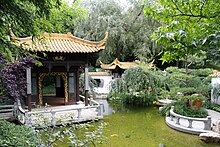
[(144, 127)]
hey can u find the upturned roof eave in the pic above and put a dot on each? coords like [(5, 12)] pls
[(87, 46)]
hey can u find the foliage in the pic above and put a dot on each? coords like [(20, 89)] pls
[(13, 77), (142, 90), (188, 27), (49, 90), (79, 134), (165, 110), (129, 30), (64, 19), (15, 135), (31, 18), (6, 101), (182, 109), (85, 134), (212, 106), (196, 81), (88, 135), (21, 17), (141, 99), (216, 92), (92, 84)]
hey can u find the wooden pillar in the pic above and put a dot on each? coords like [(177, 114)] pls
[(71, 88), (28, 77), (86, 84), (77, 85)]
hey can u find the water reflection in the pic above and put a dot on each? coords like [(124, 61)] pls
[(106, 107)]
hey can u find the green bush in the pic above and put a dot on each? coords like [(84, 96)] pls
[(212, 106), (15, 135), (138, 86), (181, 109), (6, 101), (165, 109), (196, 81), (138, 100)]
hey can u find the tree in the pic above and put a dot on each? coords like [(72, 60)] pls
[(64, 19), (188, 26), (129, 30), (21, 17)]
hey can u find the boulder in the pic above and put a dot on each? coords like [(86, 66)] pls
[(216, 127), (210, 137)]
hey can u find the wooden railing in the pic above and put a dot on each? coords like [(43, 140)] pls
[(25, 117), (207, 121)]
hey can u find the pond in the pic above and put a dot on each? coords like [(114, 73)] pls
[(141, 127)]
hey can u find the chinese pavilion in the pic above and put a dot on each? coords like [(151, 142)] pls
[(117, 67), (63, 57)]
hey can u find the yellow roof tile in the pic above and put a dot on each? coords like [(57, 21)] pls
[(62, 43), (99, 74), (116, 62)]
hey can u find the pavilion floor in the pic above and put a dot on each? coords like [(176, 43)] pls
[(54, 101)]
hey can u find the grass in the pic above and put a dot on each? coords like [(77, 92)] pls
[(49, 90)]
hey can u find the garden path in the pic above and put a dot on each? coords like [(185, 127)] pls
[(215, 115)]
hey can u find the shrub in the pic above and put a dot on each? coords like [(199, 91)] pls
[(141, 99), (15, 135), (6, 101), (195, 81), (181, 109), (165, 109), (138, 86), (212, 106), (13, 77)]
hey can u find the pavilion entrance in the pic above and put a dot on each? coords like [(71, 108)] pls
[(53, 88), (58, 86)]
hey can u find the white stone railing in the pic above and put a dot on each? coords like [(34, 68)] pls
[(207, 121), (6, 111), (26, 115), (92, 102)]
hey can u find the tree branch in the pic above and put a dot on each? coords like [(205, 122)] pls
[(203, 4), (140, 12), (190, 15), (177, 6)]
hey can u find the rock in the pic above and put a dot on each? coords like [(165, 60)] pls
[(216, 127), (210, 137)]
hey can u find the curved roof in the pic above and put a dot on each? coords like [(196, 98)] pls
[(99, 74), (116, 62), (62, 43)]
